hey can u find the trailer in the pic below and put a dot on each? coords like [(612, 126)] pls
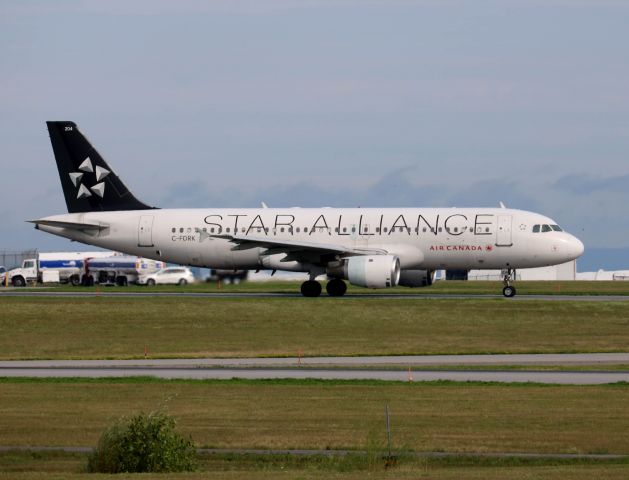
[(120, 270)]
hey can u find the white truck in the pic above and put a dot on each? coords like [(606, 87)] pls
[(81, 268), (62, 267)]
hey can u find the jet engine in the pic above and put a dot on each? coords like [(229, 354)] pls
[(416, 278), (373, 271)]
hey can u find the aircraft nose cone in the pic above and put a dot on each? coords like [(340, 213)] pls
[(576, 247)]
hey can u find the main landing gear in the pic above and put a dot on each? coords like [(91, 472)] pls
[(335, 288), (311, 288), (507, 275)]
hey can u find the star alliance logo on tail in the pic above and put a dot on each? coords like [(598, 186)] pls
[(99, 174)]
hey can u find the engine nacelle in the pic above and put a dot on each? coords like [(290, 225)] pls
[(416, 278), (373, 271)]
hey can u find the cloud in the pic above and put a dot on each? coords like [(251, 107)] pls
[(394, 189), (580, 184), (488, 193)]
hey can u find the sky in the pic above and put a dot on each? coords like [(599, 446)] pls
[(324, 103)]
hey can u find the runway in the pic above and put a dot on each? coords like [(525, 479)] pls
[(401, 369), (10, 292)]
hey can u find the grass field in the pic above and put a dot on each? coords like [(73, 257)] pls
[(105, 327), (451, 287), (29, 466), (445, 416)]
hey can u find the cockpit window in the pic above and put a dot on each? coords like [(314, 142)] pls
[(546, 228), (536, 228), (556, 228)]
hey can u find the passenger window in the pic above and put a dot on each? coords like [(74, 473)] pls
[(385, 229), (227, 229), (535, 228), (181, 230), (440, 229), (305, 229), (174, 229), (353, 229), (344, 229), (546, 228), (282, 229)]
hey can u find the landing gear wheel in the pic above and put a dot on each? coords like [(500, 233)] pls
[(336, 287), (508, 291), (310, 288)]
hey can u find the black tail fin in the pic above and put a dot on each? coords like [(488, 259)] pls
[(89, 184)]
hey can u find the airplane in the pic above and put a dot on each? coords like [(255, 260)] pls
[(368, 247)]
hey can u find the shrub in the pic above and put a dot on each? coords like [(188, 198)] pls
[(143, 443)]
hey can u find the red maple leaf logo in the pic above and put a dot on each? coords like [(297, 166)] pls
[(489, 248)]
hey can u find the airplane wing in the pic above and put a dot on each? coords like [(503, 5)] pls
[(295, 247)]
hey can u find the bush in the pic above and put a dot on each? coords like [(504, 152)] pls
[(144, 443)]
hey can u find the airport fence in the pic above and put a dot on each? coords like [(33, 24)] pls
[(12, 259)]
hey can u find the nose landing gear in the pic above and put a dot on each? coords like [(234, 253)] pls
[(507, 275)]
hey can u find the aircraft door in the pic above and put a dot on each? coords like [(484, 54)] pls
[(145, 231), (503, 231)]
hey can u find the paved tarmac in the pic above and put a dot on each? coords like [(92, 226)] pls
[(405, 369), (421, 361), (12, 292)]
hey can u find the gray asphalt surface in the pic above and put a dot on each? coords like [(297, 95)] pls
[(275, 362), (10, 292), (559, 378), (329, 368)]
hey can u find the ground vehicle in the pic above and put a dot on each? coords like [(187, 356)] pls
[(170, 275), (231, 276), (66, 267), (3, 274), (82, 268)]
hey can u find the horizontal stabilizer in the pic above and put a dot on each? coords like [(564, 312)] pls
[(69, 225)]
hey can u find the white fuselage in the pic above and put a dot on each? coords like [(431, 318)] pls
[(422, 238)]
